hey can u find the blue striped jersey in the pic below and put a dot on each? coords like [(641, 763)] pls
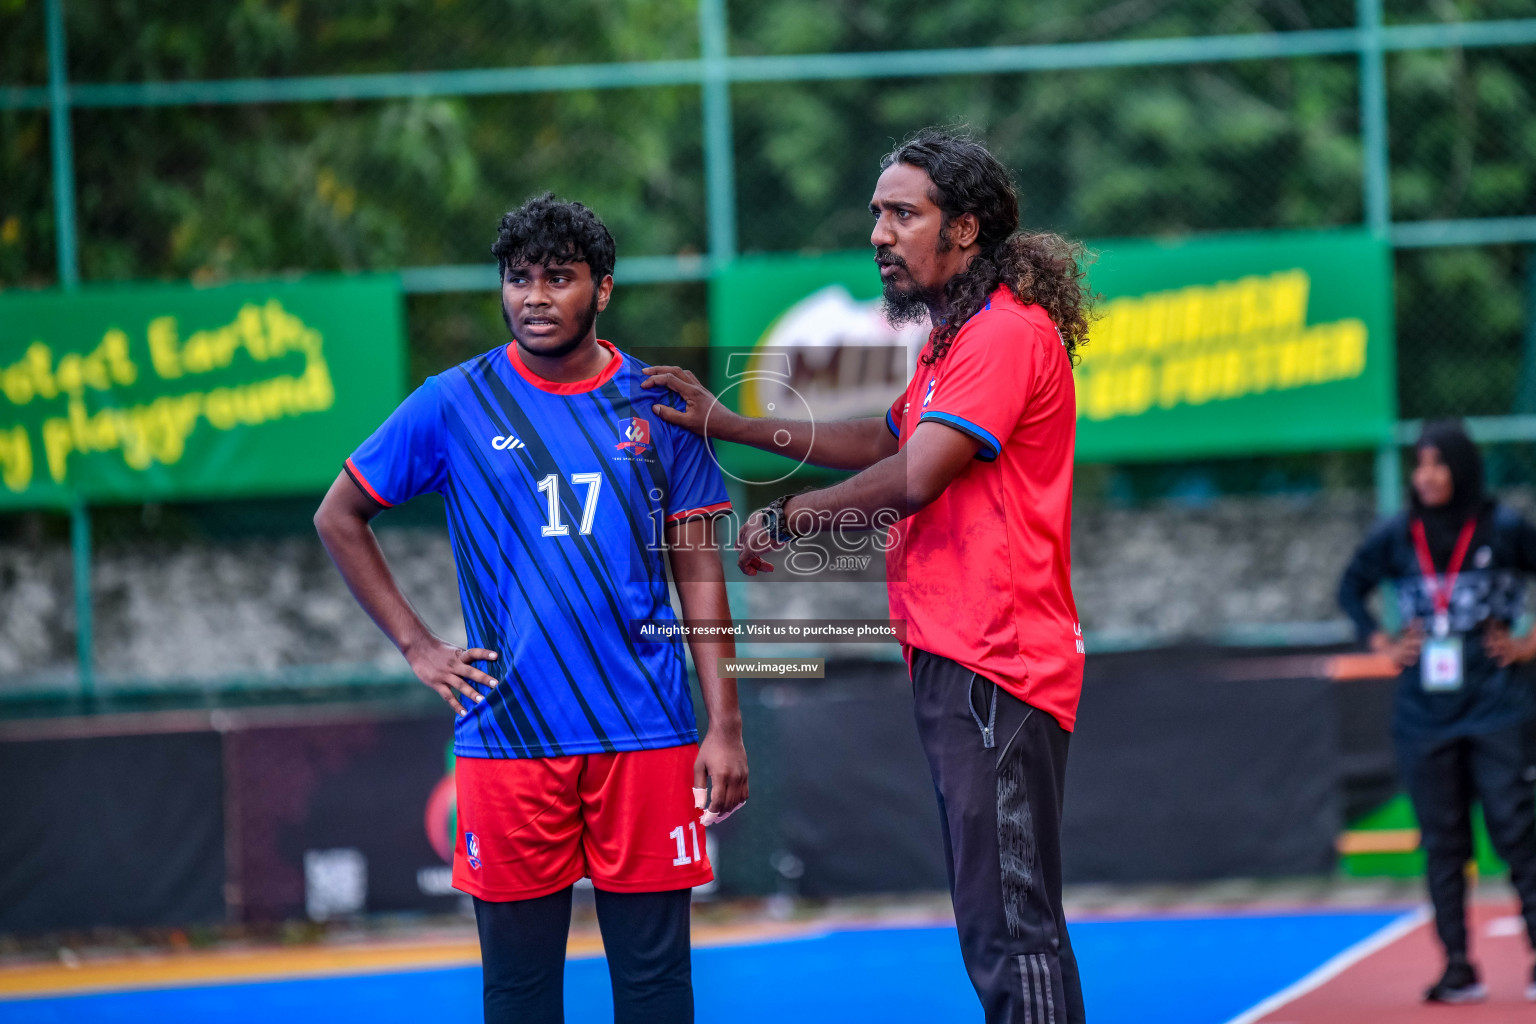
[(558, 495)]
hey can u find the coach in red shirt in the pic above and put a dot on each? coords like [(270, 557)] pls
[(974, 465)]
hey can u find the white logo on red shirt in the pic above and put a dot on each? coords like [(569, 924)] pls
[(928, 397)]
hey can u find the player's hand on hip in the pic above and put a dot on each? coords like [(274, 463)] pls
[(702, 412), (1403, 649), (450, 672), (752, 543), (1505, 649), (720, 775)]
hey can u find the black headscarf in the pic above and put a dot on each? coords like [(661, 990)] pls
[(1442, 525)]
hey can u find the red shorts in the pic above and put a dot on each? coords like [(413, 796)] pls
[(529, 827)]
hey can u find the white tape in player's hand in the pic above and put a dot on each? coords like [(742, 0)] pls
[(700, 802)]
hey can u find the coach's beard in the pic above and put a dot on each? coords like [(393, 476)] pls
[(902, 305)]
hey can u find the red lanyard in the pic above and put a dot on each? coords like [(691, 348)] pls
[(1441, 596)]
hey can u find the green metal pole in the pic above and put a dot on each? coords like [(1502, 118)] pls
[(1378, 218), (1389, 479), (1373, 118), (69, 280), (1525, 393), (80, 542), (63, 148), (719, 158), (1389, 501)]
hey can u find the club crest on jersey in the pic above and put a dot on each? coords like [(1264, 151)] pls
[(928, 395), (472, 849), (637, 434)]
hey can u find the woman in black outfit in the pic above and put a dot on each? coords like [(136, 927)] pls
[(1456, 558)]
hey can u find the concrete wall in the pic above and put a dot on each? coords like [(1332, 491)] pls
[(206, 609)]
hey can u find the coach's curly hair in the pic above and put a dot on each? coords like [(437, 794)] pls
[(546, 230), (1037, 267)]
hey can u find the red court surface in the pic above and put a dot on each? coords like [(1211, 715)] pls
[(1386, 985)]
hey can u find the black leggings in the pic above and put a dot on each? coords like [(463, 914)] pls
[(1444, 779), (645, 935)]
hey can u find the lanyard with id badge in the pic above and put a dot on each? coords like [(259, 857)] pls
[(1440, 662)]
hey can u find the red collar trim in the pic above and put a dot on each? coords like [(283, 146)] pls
[(572, 387)]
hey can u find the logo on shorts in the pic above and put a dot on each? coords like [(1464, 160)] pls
[(472, 848)]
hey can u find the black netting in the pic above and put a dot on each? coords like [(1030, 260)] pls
[(27, 243), (1462, 331), (835, 26), (207, 193), (214, 192), (23, 44), (1136, 151), (1407, 12), (1462, 136), (140, 40)]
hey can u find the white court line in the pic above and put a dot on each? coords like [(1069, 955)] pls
[(1335, 966)]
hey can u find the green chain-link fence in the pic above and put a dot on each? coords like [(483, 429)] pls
[(161, 140)]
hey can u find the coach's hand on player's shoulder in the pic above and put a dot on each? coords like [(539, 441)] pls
[(702, 412), (449, 670), (722, 761)]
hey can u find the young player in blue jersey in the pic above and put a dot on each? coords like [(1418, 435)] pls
[(577, 750)]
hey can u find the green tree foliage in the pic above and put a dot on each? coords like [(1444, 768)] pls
[(137, 40), (1141, 151), (23, 46)]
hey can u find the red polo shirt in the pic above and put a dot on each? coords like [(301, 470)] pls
[(983, 576)]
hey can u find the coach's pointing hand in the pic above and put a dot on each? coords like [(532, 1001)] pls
[(702, 412), (449, 671), (752, 543)]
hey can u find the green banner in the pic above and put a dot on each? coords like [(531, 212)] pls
[(147, 393), (1236, 346), (1222, 346)]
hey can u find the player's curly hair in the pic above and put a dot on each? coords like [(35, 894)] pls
[(1037, 267), (547, 230)]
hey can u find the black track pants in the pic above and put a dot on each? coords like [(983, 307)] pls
[(999, 766), (645, 935), (1444, 779)]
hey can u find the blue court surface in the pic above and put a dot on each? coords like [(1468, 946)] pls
[(1186, 970)]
